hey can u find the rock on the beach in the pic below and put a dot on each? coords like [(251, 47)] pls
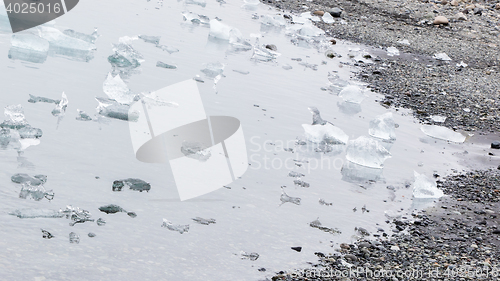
[(318, 13), (460, 16), (495, 145), (440, 20), (272, 47), (497, 6), (454, 3), (335, 12)]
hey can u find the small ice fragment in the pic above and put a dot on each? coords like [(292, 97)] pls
[(16, 114), (309, 65), (423, 187), (404, 42), (317, 120), (219, 30), (152, 99), (285, 198), (323, 202), (317, 224), (46, 234), (383, 127), (82, 36), (249, 256), (467, 110), (37, 193), (74, 238), (203, 221), (169, 49), (60, 40), (327, 133), (244, 72), (442, 133), (442, 56), (263, 54), (111, 209), (91, 234), (367, 152), (276, 20), (437, 118), (294, 174), (82, 116), (24, 178), (125, 55), (287, 67), (28, 132), (301, 183), (177, 227), (353, 94), (165, 65), (327, 18), (76, 215), (34, 99), (112, 109), (308, 30), (195, 150), (134, 184), (197, 78), (462, 64), (214, 69), (116, 89), (392, 51), (36, 213), (201, 3), (195, 18), (150, 39), (101, 222), (30, 42), (60, 109)]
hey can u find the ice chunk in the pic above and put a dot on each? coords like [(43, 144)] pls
[(309, 30), (91, 234), (327, 18), (323, 202), (352, 94), (276, 20), (82, 36), (263, 54), (169, 49), (327, 133), (31, 213), (383, 127), (204, 221), (442, 56), (195, 150), (24, 178), (112, 109), (76, 215), (74, 238), (61, 106), (175, 227), (249, 256), (212, 70), (317, 120), (30, 42), (58, 39), (367, 152), (423, 187), (37, 193), (295, 174), (125, 56), (285, 198), (195, 18), (150, 39), (438, 119), (222, 31), (101, 222), (201, 3), (28, 132), (404, 42), (309, 65), (16, 114), (287, 67), (34, 99), (462, 64), (301, 183), (134, 184), (113, 209), (352, 172), (317, 224), (82, 116), (165, 65), (244, 72), (442, 133), (392, 51), (116, 89)]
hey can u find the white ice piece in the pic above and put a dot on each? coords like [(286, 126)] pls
[(61, 106), (222, 31), (437, 118), (16, 114), (367, 152), (116, 89), (392, 51), (327, 18), (352, 93), (383, 127), (442, 56), (325, 133), (442, 133), (59, 39), (423, 187), (30, 42)]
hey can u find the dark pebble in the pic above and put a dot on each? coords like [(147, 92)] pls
[(335, 12), (495, 145), (298, 249)]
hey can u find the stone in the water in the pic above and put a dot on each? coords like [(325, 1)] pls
[(442, 133), (74, 238), (134, 184), (440, 20), (383, 127), (367, 152), (175, 227), (61, 106), (83, 116), (150, 39), (31, 213), (101, 222), (353, 94), (46, 234), (91, 234), (495, 144), (285, 198), (327, 133), (423, 187), (165, 65), (24, 178), (335, 12), (34, 99), (272, 47), (249, 256), (203, 221), (196, 150)]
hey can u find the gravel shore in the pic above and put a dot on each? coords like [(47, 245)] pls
[(458, 238)]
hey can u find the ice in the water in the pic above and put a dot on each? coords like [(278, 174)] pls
[(201, 3), (287, 67), (125, 56), (34, 99), (82, 36), (442, 56), (116, 89), (352, 94), (46, 234), (112, 109), (74, 238), (203, 221), (392, 51), (165, 65), (317, 224), (327, 133), (301, 183), (263, 54), (222, 31), (195, 150), (15, 114), (383, 127), (437, 118), (150, 39), (82, 116), (36, 193), (442, 133), (327, 18), (309, 65), (317, 120), (352, 172), (323, 202), (285, 198), (101, 222), (276, 20), (76, 215), (212, 70), (24, 178), (175, 227), (249, 256), (195, 18), (294, 174), (169, 49), (131, 183), (28, 132), (337, 84), (367, 152), (61, 40), (61, 106), (423, 187), (30, 42), (31, 213), (151, 99)]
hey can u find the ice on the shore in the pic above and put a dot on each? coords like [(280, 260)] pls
[(116, 89), (112, 109), (165, 65), (392, 51), (203, 221), (423, 187), (442, 133), (437, 118), (285, 198), (131, 183), (308, 30), (30, 42), (404, 42), (61, 106), (383, 127), (327, 18), (31, 213), (82, 36), (249, 256), (352, 94), (366, 151), (83, 116), (74, 238), (24, 178), (327, 133), (276, 20), (35, 192), (169, 49), (317, 224), (175, 227), (150, 39), (317, 120), (196, 150), (34, 99), (442, 56), (60, 40)]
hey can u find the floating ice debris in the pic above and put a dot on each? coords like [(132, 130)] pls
[(437, 118), (112, 109), (309, 65), (204, 221), (423, 187), (263, 54), (46, 234), (16, 116), (327, 133), (249, 256), (195, 150), (116, 89), (195, 18), (352, 94), (76, 215), (287, 67), (74, 238), (197, 78), (134, 184), (61, 106), (392, 51), (24, 178), (34, 99), (308, 30), (383, 127), (327, 18), (82, 116), (317, 120), (201, 3), (328, 148), (169, 49), (82, 36), (28, 132), (36, 213), (125, 56), (150, 39), (442, 133), (214, 69), (442, 56), (91, 234), (113, 209), (175, 227), (301, 183), (352, 172), (36, 192), (285, 198), (165, 65), (323, 202), (367, 152), (60, 40), (317, 224), (220, 30), (462, 64), (151, 99), (276, 20), (294, 174), (244, 72), (101, 222), (404, 42), (30, 42)]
